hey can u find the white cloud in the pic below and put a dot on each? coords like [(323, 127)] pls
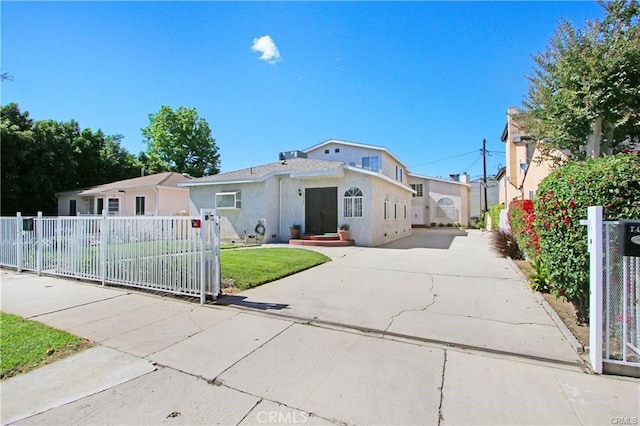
[(268, 48)]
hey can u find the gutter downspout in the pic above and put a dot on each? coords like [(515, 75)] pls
[(279, 207)]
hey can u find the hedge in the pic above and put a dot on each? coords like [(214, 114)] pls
[(521, 222), (562, 201)]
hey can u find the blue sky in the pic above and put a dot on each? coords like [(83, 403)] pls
[(428, 80)]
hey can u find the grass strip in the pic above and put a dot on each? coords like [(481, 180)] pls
[(253, 267), (25, 345)]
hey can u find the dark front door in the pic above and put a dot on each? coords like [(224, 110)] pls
[(321, 210)]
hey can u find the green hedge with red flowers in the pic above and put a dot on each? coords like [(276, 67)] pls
[(521, 221), (561, 202)]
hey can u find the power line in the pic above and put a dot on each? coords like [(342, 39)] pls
[(472, 164), (445, 159)]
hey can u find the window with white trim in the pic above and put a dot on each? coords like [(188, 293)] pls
[(399, 174), (395, 208), (386, 207), (418, 188), (371, 163), (353, 202), (228, 200), (446, 208), (405, 209), (113, 205), (99, 205), (140, 199)]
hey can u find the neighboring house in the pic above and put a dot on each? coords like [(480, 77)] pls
[(326, 185), (477, 202), (157, 195), (525, 166)]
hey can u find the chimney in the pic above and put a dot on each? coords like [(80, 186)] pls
[(465, 178)]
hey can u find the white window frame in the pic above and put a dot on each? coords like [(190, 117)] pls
[(352, 202), (399, 174), (386, 207), (419, 188), (110, 210), (446, 210), (395, 208), (367, 163), (405, 209), (235, 204), (144, 205)]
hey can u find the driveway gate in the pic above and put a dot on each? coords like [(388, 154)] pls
[(174, 254), (614, 313)]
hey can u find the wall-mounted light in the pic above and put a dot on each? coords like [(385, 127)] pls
[(300, 192)]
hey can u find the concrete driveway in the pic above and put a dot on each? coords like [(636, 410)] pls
[(442, 285)]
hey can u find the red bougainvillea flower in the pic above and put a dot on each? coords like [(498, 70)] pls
[(572, 204)]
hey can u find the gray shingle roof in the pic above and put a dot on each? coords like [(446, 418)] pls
[(292, 165)]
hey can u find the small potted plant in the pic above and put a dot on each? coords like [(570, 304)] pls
[(295, 231), (343, 231)]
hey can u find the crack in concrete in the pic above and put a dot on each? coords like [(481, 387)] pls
[(423, 309), (496, 320), (404, 271), (441, 389)]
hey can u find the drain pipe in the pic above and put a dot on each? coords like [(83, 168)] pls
[(279, 207)]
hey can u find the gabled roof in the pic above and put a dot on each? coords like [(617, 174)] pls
[(293, 166), (357, 145), (166, 179)]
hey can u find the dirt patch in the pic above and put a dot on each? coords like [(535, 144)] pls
[(564, 309), (229, 286)]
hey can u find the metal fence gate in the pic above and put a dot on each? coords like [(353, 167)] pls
[(614, 313), (175, 254)]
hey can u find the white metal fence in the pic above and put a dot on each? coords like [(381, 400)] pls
[(175, 254), (614, 323)]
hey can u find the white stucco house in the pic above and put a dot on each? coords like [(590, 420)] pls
[(326, 185), (156, 194)]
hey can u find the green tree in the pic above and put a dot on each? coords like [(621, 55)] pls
[(182, 140), (41, 158), (587, 76)]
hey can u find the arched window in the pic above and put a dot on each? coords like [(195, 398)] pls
[(405, 209), (386, 206), (353, 202), (446, 208), (395, 208)]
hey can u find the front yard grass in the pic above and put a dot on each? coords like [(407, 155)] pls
[(252, 267), (25, 345)]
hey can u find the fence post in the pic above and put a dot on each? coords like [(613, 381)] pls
[(103, 247), (39, 244), (19, 241), (594, 217), (216, 258), (203, 278)]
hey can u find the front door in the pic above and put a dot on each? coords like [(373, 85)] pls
[(321, 210)]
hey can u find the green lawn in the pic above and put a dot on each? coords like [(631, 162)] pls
[(253, 267), (25, 345)]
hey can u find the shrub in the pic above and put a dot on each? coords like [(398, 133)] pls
[(480, 224), (563, 198), (539, 279), (521, 222), (505, 245), (494, 212)]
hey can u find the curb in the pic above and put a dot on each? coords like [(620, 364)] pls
[(569, 337)]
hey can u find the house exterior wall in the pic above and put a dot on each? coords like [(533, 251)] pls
[(476, 201), (276, 200), (164, 202), (352, 154), (425, 208), (537, 171)]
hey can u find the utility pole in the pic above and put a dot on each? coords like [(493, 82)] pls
[(484, 171)]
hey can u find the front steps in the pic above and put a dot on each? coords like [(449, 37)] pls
[(325, 240)]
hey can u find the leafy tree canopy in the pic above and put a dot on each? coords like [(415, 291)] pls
[(41, 158), (588, 74), (181, 141)]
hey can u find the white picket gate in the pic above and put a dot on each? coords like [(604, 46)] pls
[(614, 305), (174, 254)]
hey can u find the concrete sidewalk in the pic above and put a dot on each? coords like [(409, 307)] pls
[(163, 360)]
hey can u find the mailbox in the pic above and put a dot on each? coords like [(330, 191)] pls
[(27, 224), (196, 223), (629, 237)]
